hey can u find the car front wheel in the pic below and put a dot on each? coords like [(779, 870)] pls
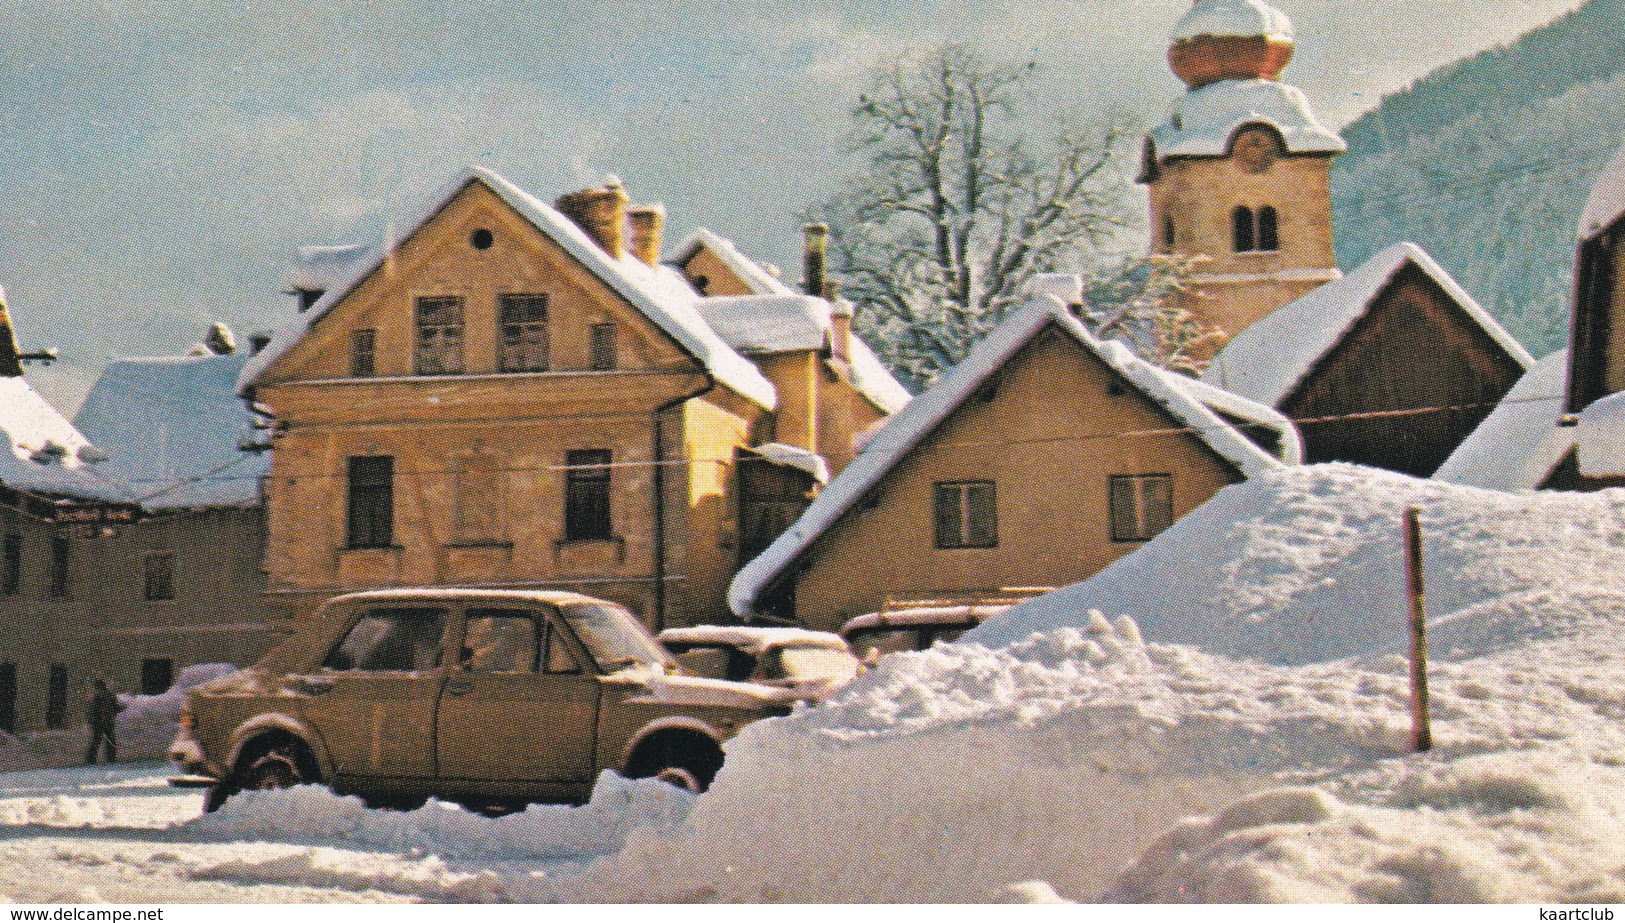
[(282, 764)]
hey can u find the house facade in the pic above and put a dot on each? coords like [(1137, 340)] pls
[(1044, 456), (522, 395)]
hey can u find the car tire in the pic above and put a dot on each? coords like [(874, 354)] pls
[(682, 758), (681, 777), (281, 765)]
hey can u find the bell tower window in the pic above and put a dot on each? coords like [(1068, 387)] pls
[(1255, 232), (1167, 232), (1241, 229), (1268, 237)]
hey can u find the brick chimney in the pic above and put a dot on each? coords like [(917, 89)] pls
[(647, 222), (840, 330), (816, 242), (600, 211)]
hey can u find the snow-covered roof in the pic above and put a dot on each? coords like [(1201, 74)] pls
[(1519, 443), (1233, 18), (766, 324), (752, 640), (1600, 437), (170, 427), (1607, 200), (660, 294), (1267, 361), (322, 268), (1240, 408), (792, 456), (1204, 120), (756, 277), (968, 613), (916, 421), (48, 455)]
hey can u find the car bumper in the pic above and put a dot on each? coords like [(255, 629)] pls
[(188, 755)]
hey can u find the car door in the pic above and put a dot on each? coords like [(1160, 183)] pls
[(521, 703), (373, 699)]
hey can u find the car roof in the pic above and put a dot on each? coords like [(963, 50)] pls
[(461, 594), (925, 617)]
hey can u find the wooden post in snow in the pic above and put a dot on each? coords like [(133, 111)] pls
[(1421, 725)]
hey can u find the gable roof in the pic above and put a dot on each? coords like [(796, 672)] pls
[(765, 324), (926, 412), (1520, 442), (755, 276), (1269, 360), (170, 427), (668, 303), (1607, 200)]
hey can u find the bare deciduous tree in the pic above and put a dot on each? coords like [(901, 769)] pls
[(955, 210)]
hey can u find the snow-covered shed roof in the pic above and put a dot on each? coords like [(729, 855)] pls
[(1519, 443), (1607, 201), (765, 324), (1267, 361), (794, 456), (1236, 407), (1205, 119), (1233, 18), (318, 269), (171, 426), (916, 421), (757, 277), (660, 294)]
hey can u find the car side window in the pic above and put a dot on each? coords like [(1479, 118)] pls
[(499, 641), (560, 659), (393, 640)]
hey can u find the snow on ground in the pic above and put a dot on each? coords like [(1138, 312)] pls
[(1222, 716)]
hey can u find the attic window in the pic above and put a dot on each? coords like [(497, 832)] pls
[(440, 336), (481, 239)]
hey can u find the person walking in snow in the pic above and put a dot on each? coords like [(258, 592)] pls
[(101, 713)]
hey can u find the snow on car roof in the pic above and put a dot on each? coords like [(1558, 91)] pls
[(750, 639), (925, 615)]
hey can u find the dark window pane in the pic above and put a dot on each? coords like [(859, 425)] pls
[(1168, 232), (523, 337), (56, 697), (560, 659), (371, 502), (1141, 506), (965, 515), (157, 675), (1268, 237), (586, 493), (395, 640), (363, 349), (158, 576), (982, 523), (1241, 229), (8, 697), (11, 570), (59, 566), (499, 641), (604, 358), (439, 336)]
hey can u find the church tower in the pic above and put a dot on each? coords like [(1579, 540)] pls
[(1239, 172)]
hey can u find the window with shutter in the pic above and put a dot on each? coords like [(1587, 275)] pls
[(1142, 505), (604, 358), (965, 514), (439, 336), (524, 333), (371, 511), (363, 353), (586, 495)]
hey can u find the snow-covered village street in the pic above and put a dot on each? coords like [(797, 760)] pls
[(1222, 717)]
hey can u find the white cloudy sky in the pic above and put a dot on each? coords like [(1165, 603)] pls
[(159, 158)]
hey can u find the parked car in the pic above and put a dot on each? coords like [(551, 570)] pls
[(481, 696), (810, 665), (915, 625)]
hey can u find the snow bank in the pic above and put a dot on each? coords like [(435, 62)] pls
[(144, 729), (1306, 564)]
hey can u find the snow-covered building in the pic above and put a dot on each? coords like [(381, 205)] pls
[(1042, 457), (518, 394), (1392, 366)]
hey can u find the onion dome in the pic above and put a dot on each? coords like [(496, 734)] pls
[(1230, 40)]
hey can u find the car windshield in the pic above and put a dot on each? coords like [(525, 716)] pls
[(613, 636), (801, 663)]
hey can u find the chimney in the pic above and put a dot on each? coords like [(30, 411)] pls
[(220, 340), (600, 211), (812, 274), (257, 341), (647, 222), (840, 330)]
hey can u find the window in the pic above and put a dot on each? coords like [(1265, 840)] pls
[(8, 698), (1168, 232), (966, 515), (524, 333), (58, 574), (603, 347), (586, 495), (396, 640), (371, 514), (1255, 232), (158, 572), (157, 675), (56, 697), (363, 349), (1141, 506), (11, 569), (481, 239), (499, 641), (440, 336)]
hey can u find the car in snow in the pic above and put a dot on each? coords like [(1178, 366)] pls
[(915, 625), (487, 697), (809, 665)]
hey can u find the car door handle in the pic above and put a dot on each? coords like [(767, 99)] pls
[(459, 688), (309, 688)]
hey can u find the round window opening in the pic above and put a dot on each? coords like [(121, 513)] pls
[(481, 239)]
